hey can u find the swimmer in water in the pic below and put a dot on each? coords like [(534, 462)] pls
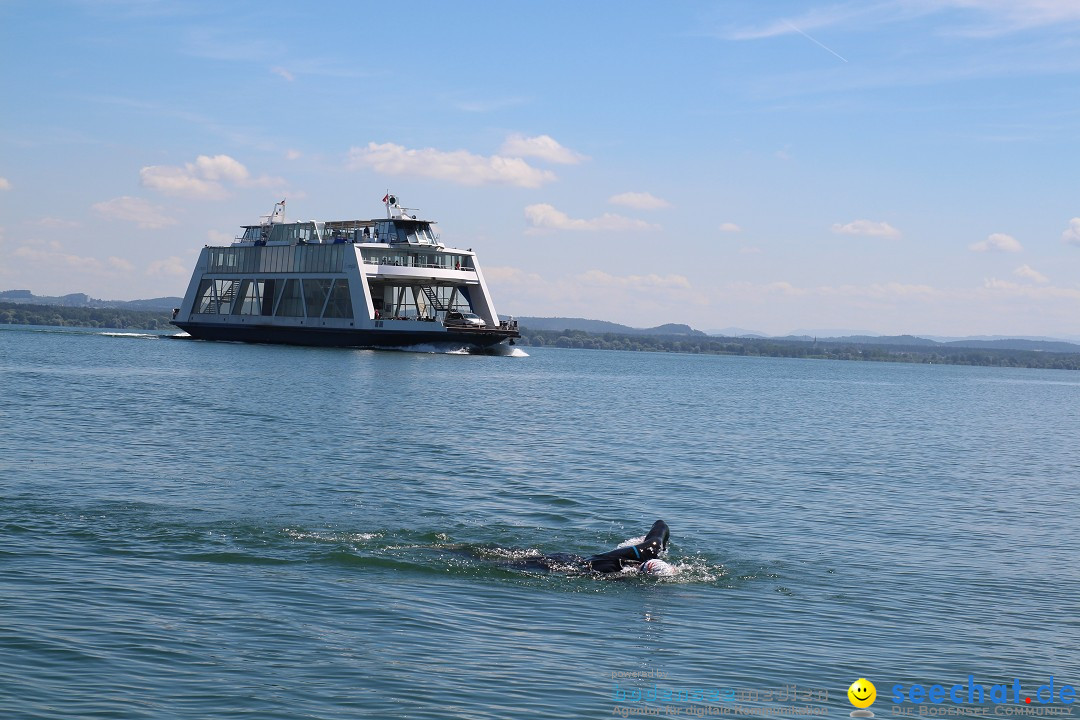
[(644, 557)]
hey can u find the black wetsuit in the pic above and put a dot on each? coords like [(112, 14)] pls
[(613, 561), (651, 547)]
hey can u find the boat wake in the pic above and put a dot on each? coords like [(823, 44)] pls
[(452, 349), (433, 349), (136, 335)]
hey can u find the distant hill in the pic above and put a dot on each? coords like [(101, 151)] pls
[(25, 297), (1018, 344), (603, 326), (735, 332), (912, 341), (906, 340)]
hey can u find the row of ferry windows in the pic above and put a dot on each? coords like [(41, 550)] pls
[(447, 261), (279, 258), (310, 298), (384, 231)]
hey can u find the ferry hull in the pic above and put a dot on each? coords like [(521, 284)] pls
[(326, 337)]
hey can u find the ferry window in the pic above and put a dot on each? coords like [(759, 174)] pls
[(249, 299), (226, 260), (215, 297), (315, 292), (203, 297), (268, 296), (340, 304), (290, 304), (227, 296)]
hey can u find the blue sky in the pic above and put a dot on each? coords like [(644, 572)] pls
[(891, 167)]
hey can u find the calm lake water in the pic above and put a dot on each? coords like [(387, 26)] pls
[(215, 530)]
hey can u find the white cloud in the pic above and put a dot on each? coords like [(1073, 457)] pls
[(56, 223), (599, 278), (638, 300), (1026, 271), (489, 105), (868, 228), (136, 210), (169, 267), (53, 255), (1012, 15), (511, 275), (217, 237), (544, 216), (816, 18), (639, 201), (283, 73), (544, 147), (1040, 292), (178, 181), (5, 184), (458, 166), (730, 227), (219, 167), (1072, 233), (997, 242), (293, 154), (1000, 16), (874, 291), (204, 178)]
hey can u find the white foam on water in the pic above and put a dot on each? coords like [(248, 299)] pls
[(141, 336), (442, 349), (631, 541), (513, 554), (432, 349), (329, 537)]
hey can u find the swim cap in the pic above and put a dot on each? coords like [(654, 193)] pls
[(659, 568)]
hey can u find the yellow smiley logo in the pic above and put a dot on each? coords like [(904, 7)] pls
[(862, 693)]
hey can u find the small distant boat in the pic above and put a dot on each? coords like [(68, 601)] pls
[(386, 282)]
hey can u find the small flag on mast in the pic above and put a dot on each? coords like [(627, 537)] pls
[(386, 197)]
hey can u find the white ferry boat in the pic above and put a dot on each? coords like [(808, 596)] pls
[(352, 283)]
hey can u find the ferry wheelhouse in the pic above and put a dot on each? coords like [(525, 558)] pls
[(386, 282)]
